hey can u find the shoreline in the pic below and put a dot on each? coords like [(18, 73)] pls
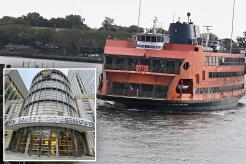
[(54, 57)]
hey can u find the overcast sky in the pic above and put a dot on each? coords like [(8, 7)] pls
[(217, 13)]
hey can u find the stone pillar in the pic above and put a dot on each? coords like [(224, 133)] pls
[(57, 144), (27, 143), (90, 143), (8, 140)]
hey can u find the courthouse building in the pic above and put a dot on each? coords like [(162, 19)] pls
[(50, 122)]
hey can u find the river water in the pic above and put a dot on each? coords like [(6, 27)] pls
[(133, 136)]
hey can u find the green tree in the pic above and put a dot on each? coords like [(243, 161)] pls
[(242, 40), (8, 20), (212, 37), (74, 21), (34, 19), (108, 24), (226, 43), (58, 23), (135, 29), (43, 36)]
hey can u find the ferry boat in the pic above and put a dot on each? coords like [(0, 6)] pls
[(174, 72)]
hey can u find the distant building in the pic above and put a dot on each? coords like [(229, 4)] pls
[(82, 81), (83, 88), (1, 84), (20, 49), (15, 95)]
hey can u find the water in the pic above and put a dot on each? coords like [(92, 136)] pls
[(133, 136), (18, 63), (151, 137)]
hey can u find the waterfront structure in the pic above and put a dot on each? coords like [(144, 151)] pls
[(83, 89), (1, 87), (181, 75), (14, 98), (49, 123)]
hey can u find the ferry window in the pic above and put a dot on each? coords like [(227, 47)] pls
[(214, 60), (159, 39), (216, 74), (147, 90), (156, 65), (109, 60), (206, 60), (139, 37), (131, 64), (153, 38), (118, 85), (143, 38), (120, 63), (147, 38), (171, 64), (161, 91), (145, 62), (210, 60), (162, 39), (131, 61), (203, 75), (222, 60), (226, 61), (197, 78), (119, 60)]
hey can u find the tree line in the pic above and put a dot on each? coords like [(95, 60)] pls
[(69, 33), (70, 21)]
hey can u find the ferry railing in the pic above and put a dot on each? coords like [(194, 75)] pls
[(150, 69), (165, 70), (131, 67), (118, 92), (160, 95), (139, 93), (120, 67), (144, 93), (108, 66)]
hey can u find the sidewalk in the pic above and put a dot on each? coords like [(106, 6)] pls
[(9, 156)]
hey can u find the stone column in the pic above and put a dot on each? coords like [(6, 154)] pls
[(8, 140), (27, 143), (90, 143)]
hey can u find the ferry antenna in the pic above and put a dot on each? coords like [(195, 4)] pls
[(173, 17), (232, 23), (208, 29), (139, 12)]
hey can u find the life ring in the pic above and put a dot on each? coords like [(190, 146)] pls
[(138, 68), (146, 69)]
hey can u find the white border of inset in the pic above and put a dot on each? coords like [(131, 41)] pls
[(54, 160)]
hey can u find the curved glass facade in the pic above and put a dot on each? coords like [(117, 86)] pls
[(50, 95)]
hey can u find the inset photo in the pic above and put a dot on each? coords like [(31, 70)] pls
[(49, 114)]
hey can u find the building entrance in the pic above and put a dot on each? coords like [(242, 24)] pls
[(48, 141)]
